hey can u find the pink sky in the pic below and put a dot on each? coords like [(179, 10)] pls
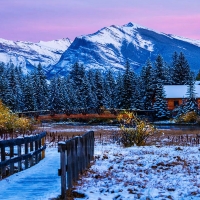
[(50, 19)]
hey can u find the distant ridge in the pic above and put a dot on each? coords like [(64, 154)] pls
[(29, 54), (108, 48)]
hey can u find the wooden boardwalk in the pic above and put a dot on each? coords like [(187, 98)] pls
[(39, 182)]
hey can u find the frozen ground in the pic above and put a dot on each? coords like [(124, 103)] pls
[(149, 172), (36, 183)]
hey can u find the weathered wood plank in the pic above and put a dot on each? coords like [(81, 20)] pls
[(20, 141), (22, 157), (80, 151)]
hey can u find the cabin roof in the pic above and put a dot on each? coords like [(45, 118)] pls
[(179, 91)]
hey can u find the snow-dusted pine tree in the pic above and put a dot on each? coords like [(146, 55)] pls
[(147, 86), (99, 89), (160, 104), (129, 82), (181, 70), (40, 89), (110, 92)]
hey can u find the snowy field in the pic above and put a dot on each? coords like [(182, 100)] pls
[(149, 172)]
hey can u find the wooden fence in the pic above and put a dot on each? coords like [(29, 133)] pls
[(75, 157), (21, 153)]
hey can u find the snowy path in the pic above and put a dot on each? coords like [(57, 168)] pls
[(38, 182)]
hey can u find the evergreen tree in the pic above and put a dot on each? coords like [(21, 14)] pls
[(191, 102), (76, 80), (57, 99), (2, 80), (40, 89), (10, 95), (28, 92), (129, 82), (181, 70), (118, 91), (160, 104), (198, 76), (88, 96), (147, 86), (110, 92), (99, 89)]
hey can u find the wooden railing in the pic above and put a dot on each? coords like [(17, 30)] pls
[(21, 153), (75, 157)]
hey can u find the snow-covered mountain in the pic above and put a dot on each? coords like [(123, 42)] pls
[(28, 54), (108, 48), (112, 46)]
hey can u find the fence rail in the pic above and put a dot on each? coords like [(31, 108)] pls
[(75, 157), (27, 151)]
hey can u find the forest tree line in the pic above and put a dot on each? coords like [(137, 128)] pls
[(93, 88)]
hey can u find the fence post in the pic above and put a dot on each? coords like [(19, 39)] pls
[(3, 158), (69, 166), (63, 169), (39, 146), (26, 152), (43, 143), (19, 152), (31, 149), (7, 168), (80, 151), (36, 148), (11, 155)]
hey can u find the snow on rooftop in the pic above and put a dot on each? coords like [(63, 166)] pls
[(179, 91)]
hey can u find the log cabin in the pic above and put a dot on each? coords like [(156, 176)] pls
[(176, 94)]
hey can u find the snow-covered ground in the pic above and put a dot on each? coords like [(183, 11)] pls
[(36, 183), (149, 172)]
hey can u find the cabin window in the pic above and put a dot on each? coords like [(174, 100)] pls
[(176, 103)]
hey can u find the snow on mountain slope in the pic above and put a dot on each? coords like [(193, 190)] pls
[(108, 48), (28, 54), (111, 47)]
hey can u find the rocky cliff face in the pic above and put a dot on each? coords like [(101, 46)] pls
[(112, 46), (28, 54), (108, 48)]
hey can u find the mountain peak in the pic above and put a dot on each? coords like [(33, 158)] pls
[(134, 25), (130, 24)]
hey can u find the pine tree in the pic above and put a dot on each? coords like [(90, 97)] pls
[(181, 70), (147, 86), (99, 89), (57, 98), (191, 103), (11, 85), (28, 92), (118, 91), (88, 96), (160, 104), (110, 86), (129, 82), (40, 89), (2, 80), (161, 71), (198, 76), (76, 80)]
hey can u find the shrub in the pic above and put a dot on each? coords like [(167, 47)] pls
[(189, 117), (10, 122), (134, 131)]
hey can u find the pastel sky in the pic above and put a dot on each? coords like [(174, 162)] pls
[(50, 19)]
